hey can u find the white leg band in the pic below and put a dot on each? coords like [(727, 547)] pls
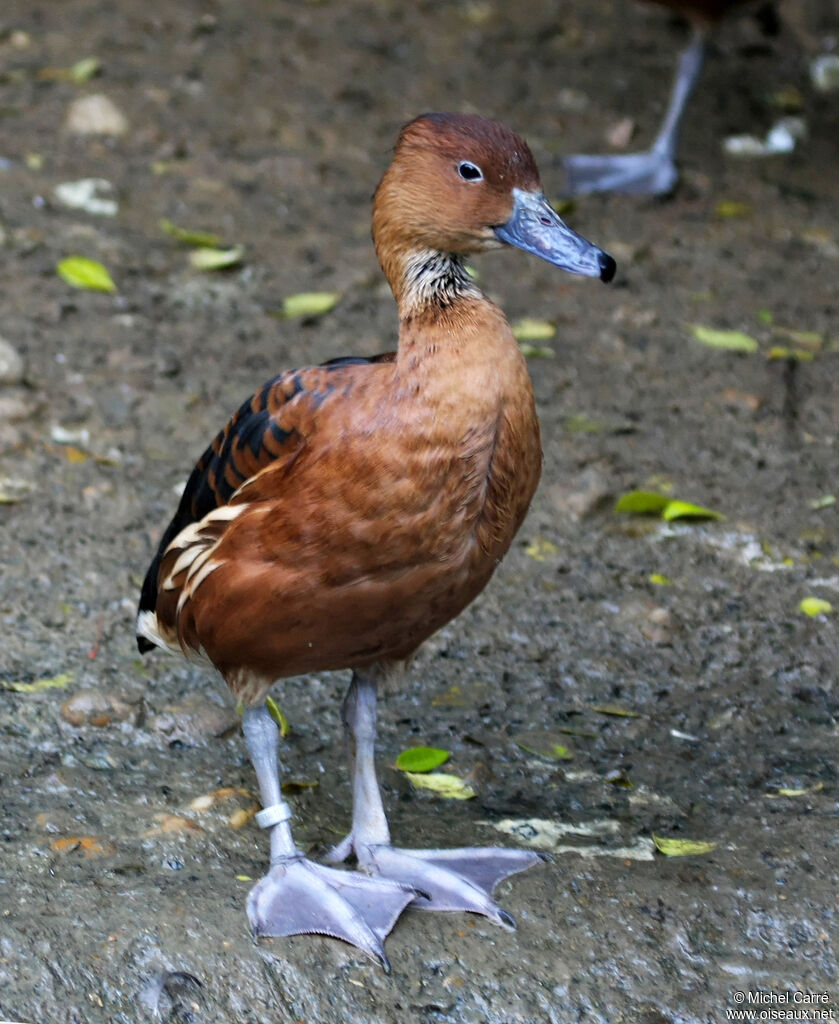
[(268, 817)]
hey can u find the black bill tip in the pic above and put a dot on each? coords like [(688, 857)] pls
[(607, 267)]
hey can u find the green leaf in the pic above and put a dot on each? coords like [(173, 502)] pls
[(448, 786), (682, 847), (531, 329), (825, 501), (83, 70), (733, 341), (276, 713), (81, 272), (308, 304), (554, 751), (659, 579), (614, 709), (686, 510), (52, 683), (540, 549), (729, 208), (801, 355), (784, 791), (642, 503), (421, 759), (814, 606), (536, 351), (202, 239), (207, 258)]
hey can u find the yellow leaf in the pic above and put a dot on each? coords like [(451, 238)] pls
[(450, 787), (207, 258), (539, 549), (308, 304), (531, 329), (687, 510), (74, 454), (659, 579), (614, 709), (276, 713), (201, 239), (682, 847), (52, 683), (814, 606), (733, 341), (795, 792), (81, 272), (729, 208)]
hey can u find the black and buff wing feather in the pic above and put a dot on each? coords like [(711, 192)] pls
[(261, 431)]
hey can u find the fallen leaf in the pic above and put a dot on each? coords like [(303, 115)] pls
[(732, 341), (682, 847), (642, 502), (727, 209), (296, 785), (13, 489), (90, 846), (83, 70), (421, 759), (686, 510), (238, 819), (531, 329), (539, 549), (172, 824), (201, 239), (452, 698), (814, 606), (52, 683), (825, 501), (450, 787), (614, 709), (81, 272), (553, 751), (782, 352), (794, 792), (308, 304), (536, 351), (209, 259), (276, 713), (659, 579)]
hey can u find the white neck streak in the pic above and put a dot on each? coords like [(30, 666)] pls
[(433, 279)]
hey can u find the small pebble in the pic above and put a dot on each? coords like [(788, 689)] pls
[(11, 363), (95, 115), (96, 707)]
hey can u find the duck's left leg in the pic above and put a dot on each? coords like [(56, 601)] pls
[(461, 879)]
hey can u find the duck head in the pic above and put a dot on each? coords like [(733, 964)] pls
[(461, 184)]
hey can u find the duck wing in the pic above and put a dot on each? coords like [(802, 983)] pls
[(268, 428)]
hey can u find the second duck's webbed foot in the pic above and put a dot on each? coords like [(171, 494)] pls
[(651, 173)]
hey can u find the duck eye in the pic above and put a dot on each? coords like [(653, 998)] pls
[(469, 171)]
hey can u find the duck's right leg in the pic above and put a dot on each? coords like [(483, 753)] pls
[(298, 896)]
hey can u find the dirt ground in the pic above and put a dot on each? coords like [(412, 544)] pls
[(269, 123)]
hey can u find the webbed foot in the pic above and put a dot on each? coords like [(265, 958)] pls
[(298, 896), (461, 879), (651, 173)]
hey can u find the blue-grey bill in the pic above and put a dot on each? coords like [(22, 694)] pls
[(537, 228)]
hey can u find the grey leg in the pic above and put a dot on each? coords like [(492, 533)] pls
[(461, 879), (298, 896), (653, 172)]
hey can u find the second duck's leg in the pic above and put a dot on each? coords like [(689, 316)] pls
[(298, 896), (654, 171), (460, 879)]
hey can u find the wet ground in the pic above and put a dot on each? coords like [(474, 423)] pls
[(125, 790)]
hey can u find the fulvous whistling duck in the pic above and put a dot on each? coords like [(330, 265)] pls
[(349, 510), (654, 171)]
